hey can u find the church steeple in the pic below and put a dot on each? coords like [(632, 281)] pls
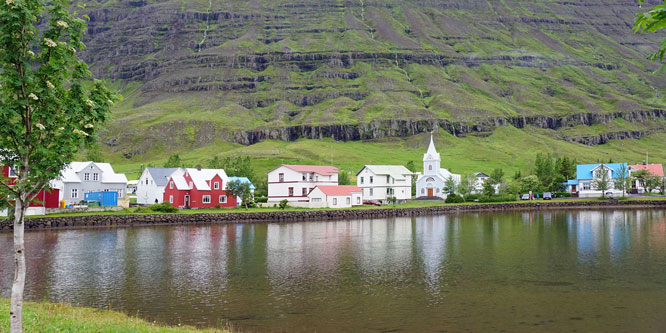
[(431, 159)]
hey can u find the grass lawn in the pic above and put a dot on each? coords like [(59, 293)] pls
[(47, 317)]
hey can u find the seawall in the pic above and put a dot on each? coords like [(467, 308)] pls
[(129, 220)]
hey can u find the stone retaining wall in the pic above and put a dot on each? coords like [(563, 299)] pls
[(309, 215)]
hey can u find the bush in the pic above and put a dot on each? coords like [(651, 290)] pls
[(472, 197), (218, 206), (284, 204), (261, 199), (454, 198), (563, 194), (164, 207), (140, 210), (498, 198)]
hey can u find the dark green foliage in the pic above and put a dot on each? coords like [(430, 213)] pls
[(563, 194), (164, 207), (497, 176), (651, 21), (498, 198), (241, 190), (472, 197), (455, 198), (488, 188), (343, 178), (450, 186), (284, 204), (173, 162), (238, 167), (261, 199)]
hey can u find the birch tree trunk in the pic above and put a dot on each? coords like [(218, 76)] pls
[(16, 311)]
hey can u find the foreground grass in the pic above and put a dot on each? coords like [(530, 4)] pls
[(47, 317)]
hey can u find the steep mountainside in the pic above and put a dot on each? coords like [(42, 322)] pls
[(197, 72)]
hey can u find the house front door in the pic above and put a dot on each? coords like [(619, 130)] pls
[(187, 201), (430, 193)]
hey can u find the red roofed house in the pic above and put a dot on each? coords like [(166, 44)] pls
[(294, 182), (44, 199), (653, 169), (335, 196), (198, 188)]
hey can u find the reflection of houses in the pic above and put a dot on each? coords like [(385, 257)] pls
[(379, 182), (294, 182), (654, 170), (431, 183), (584, 184), (335, 196)]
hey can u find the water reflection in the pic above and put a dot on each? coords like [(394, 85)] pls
[(477, 271)]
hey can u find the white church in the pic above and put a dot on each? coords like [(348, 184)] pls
[(431, 182)]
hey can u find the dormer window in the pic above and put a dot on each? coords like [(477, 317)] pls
[(216, 185)]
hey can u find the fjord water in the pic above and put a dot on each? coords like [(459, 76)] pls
[(559, 271)]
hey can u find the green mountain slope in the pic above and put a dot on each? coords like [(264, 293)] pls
[(199, 76)]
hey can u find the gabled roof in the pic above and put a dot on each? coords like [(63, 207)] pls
[(482, 175), (200, 177), (395, 171), (584, 171), (339, 190), (161, 175), (242, 180), (654, 169), (318, 169), (69, 174)]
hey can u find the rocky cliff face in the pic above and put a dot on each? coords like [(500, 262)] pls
[(246, 71)]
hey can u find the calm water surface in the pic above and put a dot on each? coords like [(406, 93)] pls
[(555, 271)]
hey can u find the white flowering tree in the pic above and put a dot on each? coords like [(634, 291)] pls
[(49, 108)]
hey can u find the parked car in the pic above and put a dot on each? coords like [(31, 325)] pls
[(547, 196), (609, 195), (525, 197), (373, 203)]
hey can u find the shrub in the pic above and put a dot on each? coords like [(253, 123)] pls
[(140, 210), (164, 208), (217, 207), (563, 194), (454, 198), (261, 199), (472, 197), (498, 198), (284, 204)]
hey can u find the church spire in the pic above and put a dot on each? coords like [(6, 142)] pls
[(432, 153)]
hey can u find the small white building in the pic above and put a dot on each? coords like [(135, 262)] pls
[(431, 182), (379, 182), (153, 181), (79, 178), (335, 196), (294, 182)]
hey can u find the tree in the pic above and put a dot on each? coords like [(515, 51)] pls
[(601, 181), (215, 163), (517, 175), (622, 180), (652, 182), (49, 108), (497, 176), (412, 167), (450, 186), (641, 176), (173, 162), (343, 178), (240, 189), (467, 184), (488, 188), (543, 168), (652, 21), (529, 184)]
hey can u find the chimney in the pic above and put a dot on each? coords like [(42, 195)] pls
[(199, 167)]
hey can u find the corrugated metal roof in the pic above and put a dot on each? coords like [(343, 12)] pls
[(584, 171), (395, 171), (654, 169), (161, 175), (318, 169), (337, 190)]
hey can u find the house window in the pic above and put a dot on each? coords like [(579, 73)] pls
[(348, 201), (120, 194), (205, 199), (281, 176), (361, 180), (586, 186), (316, 199), (96, 176), (223, 199), (422, 191), (305, 192), (371, 192), (291, 191), (146, 181), (216, 185), (171, 199), (388, 179), (170, 184), (429, 167), (75, 193), (335, 201), (305, 177), (437, 190), (371, 179), (388, 191), (358, 200), (86, 176)]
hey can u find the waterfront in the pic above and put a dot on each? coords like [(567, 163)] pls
[(580, 270)]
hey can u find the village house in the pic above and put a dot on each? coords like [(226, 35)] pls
[(45, 199), (431, 183), (79, 178), (654, 170), (586, 174), (379, 182), (152, 183), (239, 201), (294, 182), (335, 196), (198, 188)]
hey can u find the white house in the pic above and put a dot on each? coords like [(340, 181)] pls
[(294, 182), (79, 178), (335, 196), (656, 170), (431, 183), (379, 182), (586, 175), (153, 181)]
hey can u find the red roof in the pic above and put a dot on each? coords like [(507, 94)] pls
[(654, 169), (322, 170), (339, 189)]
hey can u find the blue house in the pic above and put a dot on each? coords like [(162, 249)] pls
[(583, 185), (239, 201)]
